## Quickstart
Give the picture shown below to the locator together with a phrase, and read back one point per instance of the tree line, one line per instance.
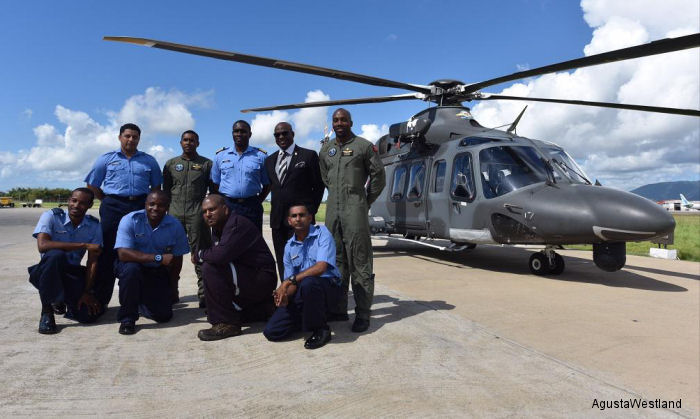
(30, 194)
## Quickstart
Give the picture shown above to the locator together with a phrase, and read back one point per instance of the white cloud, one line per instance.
(160, 111)
(305, 122)
(372, 132)
(28, 113)
(67, 156)
(625, 149)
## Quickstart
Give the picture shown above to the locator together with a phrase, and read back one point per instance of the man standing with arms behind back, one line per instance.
(347, 161)
(186, 179)
(121, 180)
(239, 175)
(294, 177)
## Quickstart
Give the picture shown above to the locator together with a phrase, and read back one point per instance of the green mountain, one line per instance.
(670, 190)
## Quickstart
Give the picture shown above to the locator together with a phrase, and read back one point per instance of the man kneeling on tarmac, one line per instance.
(239, 271)
(312, 282)
(62, 240)
(150, 245)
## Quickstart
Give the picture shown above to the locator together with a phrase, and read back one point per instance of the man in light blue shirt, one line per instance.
(121, 180)
(311, 284)
(150, 245)
(62, 239)
(239, 175)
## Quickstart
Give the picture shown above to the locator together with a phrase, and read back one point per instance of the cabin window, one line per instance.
(415, 181)
(399, 185)
(462, 187)
(439, 184)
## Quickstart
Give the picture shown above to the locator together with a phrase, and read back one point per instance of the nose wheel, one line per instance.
(546, 262)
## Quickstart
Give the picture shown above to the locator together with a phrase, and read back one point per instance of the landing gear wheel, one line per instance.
(558, 266)
(539, 264)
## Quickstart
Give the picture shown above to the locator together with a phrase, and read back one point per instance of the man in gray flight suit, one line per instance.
(347, 161)
(186, 179)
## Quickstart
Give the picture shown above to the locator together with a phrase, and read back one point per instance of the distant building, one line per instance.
(675, 205)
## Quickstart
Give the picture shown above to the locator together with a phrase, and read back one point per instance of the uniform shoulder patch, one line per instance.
(91, 218)
(261, 150)
(221, 149)
(57, 211)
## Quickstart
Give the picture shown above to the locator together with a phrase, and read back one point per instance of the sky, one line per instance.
(66, 91)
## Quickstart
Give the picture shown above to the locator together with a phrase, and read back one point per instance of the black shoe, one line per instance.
(127, 328)
(59, 308)
(337, 317)
(202, 302)
(219, 331)
(47, 324)
(318, 339)
(360, 325)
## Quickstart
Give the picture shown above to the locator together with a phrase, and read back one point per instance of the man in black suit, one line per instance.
(295, 176)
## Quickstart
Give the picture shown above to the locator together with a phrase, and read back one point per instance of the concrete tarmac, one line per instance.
(459, 335)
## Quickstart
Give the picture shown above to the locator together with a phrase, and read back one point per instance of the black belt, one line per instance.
(244, 200)
(127, 198)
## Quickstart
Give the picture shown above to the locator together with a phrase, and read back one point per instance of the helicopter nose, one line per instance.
(624, 216)
(591, 214)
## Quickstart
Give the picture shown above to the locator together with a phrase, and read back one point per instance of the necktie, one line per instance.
(282, 166)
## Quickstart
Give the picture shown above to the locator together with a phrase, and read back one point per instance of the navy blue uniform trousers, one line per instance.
(251, 208)
(56, 280)
(145, 290)
(306, 309)
(111, 212)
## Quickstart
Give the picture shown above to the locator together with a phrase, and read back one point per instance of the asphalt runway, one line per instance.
(452, 335)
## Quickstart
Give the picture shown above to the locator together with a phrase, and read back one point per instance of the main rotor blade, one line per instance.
(270, 62)
(657, 109)
(376, 99)
(653, 48)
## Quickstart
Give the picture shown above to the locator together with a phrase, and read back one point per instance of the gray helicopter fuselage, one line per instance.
(448, 177)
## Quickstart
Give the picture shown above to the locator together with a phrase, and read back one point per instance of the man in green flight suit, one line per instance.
(186, 179)
(347, 161)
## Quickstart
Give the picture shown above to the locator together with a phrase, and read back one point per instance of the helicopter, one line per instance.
(449, 177)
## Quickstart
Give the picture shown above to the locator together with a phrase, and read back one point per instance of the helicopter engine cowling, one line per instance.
(610, 256)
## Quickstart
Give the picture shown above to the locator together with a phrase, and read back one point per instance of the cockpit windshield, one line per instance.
(567, 165)
(506, 168)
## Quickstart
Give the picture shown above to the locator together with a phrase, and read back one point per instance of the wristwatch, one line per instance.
(293, 280)
(158, 258)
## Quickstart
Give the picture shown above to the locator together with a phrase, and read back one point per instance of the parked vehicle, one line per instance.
(6, 201)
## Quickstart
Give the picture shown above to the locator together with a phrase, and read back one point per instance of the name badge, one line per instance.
(347, 152)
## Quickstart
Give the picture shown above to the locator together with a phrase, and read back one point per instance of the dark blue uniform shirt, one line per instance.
(240, 175)
(60, 228)
(136, 233)
(125, 176)
(318, 246)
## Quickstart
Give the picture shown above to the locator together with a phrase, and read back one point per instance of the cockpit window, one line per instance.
(462, 187)
(505, 169)
(567, 165)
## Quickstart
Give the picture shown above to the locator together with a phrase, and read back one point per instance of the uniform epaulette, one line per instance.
(57, 211)
(261, 150)
(220, 150)
(91, 218)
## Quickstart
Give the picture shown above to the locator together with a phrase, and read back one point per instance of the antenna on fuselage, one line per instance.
(511, 129)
